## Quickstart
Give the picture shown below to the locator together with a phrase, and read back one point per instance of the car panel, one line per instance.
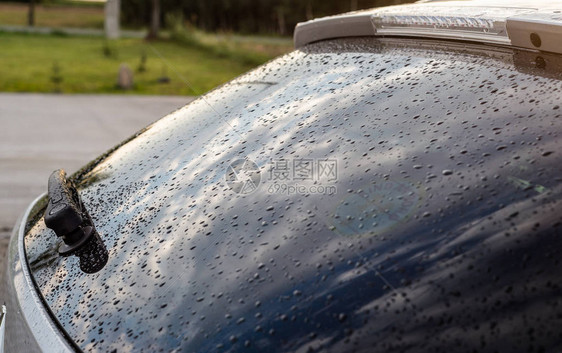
(442, 145)
(511, 23)
(2, 327)
(29, 325)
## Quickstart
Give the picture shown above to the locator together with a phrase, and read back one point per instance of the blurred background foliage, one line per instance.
(199, 44)
(245, 16)
(240, 16)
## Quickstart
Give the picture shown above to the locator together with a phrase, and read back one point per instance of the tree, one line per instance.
(154, 20)
(112, 15)
(31, 13)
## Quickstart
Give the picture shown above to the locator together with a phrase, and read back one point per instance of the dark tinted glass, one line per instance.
(391, 196)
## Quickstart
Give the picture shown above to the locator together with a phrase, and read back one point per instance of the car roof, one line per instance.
(533, 25)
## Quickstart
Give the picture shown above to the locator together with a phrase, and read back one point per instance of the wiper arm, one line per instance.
(69, 219)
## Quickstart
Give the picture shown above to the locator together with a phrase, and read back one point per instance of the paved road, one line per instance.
(40, 133)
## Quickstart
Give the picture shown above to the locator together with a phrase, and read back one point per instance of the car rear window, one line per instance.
(355, 195)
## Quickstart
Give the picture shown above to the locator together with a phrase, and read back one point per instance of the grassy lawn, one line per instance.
(257, 49)
(53, 15)
(26, 63)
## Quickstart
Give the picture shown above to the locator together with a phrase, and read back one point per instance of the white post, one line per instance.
(112, 18)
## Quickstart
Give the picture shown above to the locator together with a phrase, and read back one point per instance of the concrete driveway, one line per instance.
(41, 132)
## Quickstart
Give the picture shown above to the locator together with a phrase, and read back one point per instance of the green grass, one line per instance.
(252, 50)
(55, 15)
(27, 61)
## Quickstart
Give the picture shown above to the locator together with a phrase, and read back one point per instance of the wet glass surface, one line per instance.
(442, 234)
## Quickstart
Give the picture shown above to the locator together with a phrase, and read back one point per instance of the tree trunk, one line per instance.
(31, 13)
(111, 22)
(155, 20)
(281, 20)
(309, 13)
